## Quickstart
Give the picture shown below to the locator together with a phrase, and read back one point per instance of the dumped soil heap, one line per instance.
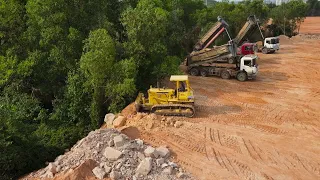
(108, 153)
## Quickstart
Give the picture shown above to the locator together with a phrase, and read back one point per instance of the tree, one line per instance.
(12, 26)
(155, 34)
(20, 149)
(314, 8)
(288, 16)
(99, 64)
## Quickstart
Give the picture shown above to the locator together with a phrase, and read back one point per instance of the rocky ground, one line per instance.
(106, 153)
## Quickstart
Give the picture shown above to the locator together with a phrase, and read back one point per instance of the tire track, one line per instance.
(310, 167)
(222, 162)
(254, 150)
(216, 156)
(229, 162)
(249, 151)
(224, 140)
(187, 143)
(219, 138)
(205, 143)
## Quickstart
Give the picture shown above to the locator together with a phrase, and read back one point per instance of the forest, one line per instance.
(64, 64)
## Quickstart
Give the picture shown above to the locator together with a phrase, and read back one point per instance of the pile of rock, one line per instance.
(113, 121)
(117, 157)
(169, 121)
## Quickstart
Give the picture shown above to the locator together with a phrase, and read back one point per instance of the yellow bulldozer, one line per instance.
(169, 102)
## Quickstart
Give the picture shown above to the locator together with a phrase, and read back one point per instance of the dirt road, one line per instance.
(268, 128)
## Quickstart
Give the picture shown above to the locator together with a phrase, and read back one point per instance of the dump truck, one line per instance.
(269, 45)
(166, 101)
(266, 45)
(246, 68)
(226, 53)
(226, 60)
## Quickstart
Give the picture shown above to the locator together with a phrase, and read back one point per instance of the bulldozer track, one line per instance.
(267, 129)
(158, 109)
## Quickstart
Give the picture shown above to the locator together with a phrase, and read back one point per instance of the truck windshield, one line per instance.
(274, 41)
(247, 63)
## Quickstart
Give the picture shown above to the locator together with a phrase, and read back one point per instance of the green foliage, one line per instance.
(288, 16)
(11, 25)
(7, 68)
(122, 84)
(98, 63)
(20, 150)
(11, 70)
(156, 32)
(98, 57)
(313, 7)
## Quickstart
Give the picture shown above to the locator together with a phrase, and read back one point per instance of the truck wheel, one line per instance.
(225, 74)
(194, 72)
(242, 76)
(204, 73)
(231, 61)
(264, 50)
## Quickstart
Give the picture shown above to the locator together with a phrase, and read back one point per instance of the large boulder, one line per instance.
(139, 142)
(181, 175)
(52, 168)
(167, 170)
(118, 141)
(112, 154)
(106, 167)
(151, 152)
(160, 161)
(140, 156)
(119, 121)
(163, 151)
(99, 172)
(109, 118)
(114, 175)
(144, 167)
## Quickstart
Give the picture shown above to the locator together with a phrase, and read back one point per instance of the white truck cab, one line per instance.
(248, 67)
(270, 45)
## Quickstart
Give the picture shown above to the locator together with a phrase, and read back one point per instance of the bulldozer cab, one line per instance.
(183, 90)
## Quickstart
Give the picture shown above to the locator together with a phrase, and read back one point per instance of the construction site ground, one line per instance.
(268, 128)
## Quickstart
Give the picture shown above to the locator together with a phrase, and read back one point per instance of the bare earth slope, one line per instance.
(268, 128)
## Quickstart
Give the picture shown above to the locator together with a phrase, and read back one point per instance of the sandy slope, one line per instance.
(263, 129)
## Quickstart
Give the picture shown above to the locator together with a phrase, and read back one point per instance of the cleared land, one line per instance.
(268, 128)
(311, 25)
